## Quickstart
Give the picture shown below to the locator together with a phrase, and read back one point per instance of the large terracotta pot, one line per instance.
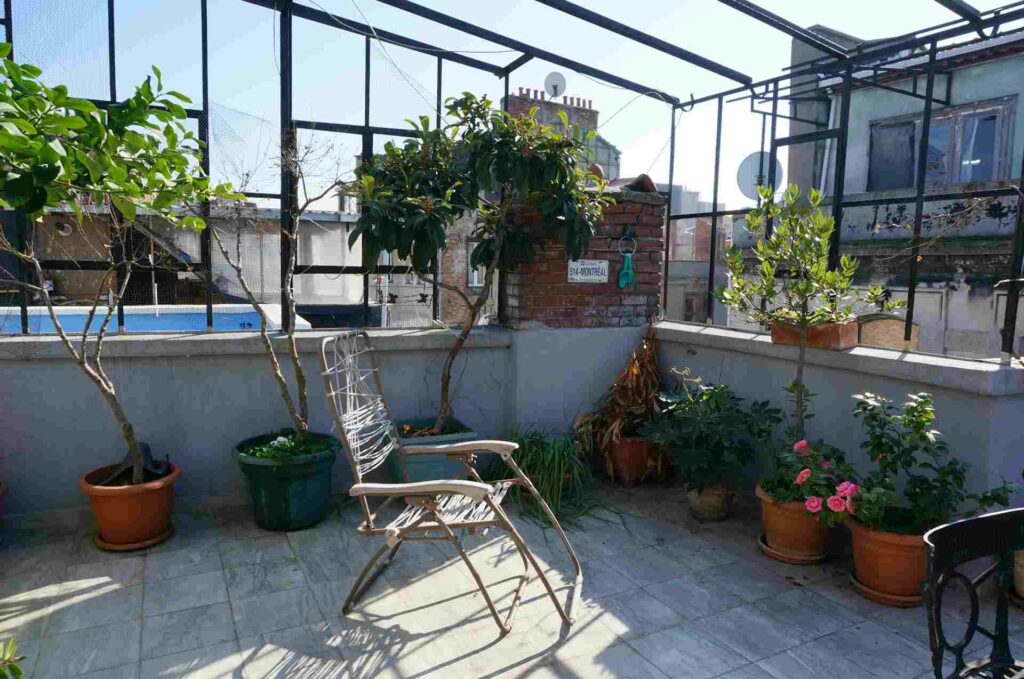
(888, 567)
(634, 458)
(130, 517)
(831, 336)
(790, 534)
(711, 504)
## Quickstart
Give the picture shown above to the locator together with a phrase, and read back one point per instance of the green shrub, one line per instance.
(286, 444)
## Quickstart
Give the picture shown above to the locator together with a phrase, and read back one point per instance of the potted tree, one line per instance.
(711, 439)
(488, 164)
(806, 492)
(288, 472)
(888, 527)
(63, 153)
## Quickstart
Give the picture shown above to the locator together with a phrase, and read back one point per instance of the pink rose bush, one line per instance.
(817, 475)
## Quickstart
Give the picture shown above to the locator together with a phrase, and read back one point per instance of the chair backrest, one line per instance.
(362, 421)
(996, 535)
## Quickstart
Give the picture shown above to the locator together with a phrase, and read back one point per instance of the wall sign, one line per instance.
(588, 271)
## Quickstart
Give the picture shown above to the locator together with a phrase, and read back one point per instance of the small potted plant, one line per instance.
(806, 492)
(888, 527)
(289, 477)
(711, 439)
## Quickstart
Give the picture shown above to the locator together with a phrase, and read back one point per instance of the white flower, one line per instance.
(280, 441)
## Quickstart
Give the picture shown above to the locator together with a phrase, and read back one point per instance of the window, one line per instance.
(474, 275)
(965, 144)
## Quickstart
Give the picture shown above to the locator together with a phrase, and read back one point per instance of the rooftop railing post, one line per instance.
(919, 181)
(288, 157)
(773, 153)
(366, 155)
(205, 238)
(712, 250)
(118, 249)
(20, 227)
(1016, 265)
(667, 247)
(435, 291)
(839, 171)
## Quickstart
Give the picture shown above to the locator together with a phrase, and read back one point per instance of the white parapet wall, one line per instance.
(979, 404)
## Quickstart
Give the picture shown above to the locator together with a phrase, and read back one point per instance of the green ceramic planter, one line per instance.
(290, 494)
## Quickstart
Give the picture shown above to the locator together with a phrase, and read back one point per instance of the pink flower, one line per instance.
(836, 503)
(847, 489)
(801, 447)
(813, 504)
(825, 464)
(803, 476)
(849, 506)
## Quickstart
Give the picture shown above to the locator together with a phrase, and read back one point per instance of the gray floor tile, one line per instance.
(327, 566)
(634, 613)
(122, 572)
(88, 650)
(684, 652)
(222, 661)
(647, 566)
(616, 662)
(241, 552)
(263, 578)
(186, 630)
(814, 615)
(276, 611)
(203, 558)
(751, 632)
(698, 553)
(746, 580)
(166, 596)
(80, 605)
(747, 672)
(307, 650)
(691, 598)
(26, 600)
(600, 580)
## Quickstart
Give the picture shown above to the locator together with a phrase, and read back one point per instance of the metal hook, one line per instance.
(686, 108)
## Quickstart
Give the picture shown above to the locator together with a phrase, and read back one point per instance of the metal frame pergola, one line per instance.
(866, 65)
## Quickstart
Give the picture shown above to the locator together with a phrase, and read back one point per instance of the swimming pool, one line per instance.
(180, 318)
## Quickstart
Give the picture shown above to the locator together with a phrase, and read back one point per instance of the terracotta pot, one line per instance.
(790, 534)
(888, 567)
(711, 504)
(634, 458)
(831, 336)
(130, 517)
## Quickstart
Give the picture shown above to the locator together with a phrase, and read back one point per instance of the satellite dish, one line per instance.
(554, 84)
(753, 165)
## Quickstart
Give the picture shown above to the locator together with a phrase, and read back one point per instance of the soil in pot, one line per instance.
(711, 504)
(634, 459)
(290, 493)
(791, 534)
(888, 567)
(130, 516)
(830, 336)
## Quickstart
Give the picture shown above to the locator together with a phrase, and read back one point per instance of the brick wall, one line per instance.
(538, 293)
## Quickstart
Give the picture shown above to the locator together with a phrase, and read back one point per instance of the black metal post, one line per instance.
(8, 27)
(205, 238)
(20, 227)
(366, 155)
(922, 172)
(839, 171)
(435, 292)
(118, 249)
(1016, 265)
(774, 150)
(288, 157)
(760, 159)
(714, 215)
(502, 277)
(111, 52)
(667, 246)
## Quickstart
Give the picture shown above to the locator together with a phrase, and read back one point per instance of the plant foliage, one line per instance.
(287, 444)
(9, 660)
(708, 433)
(908, 450)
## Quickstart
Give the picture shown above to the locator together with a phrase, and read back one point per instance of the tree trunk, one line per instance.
(798, 383)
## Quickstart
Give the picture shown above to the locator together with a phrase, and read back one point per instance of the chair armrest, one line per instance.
(471, 489)
(503, 448)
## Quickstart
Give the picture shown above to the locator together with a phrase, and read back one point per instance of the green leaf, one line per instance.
(5, 50)
(125, 206)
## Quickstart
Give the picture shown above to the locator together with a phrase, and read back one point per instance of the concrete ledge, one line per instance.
(146, 345)
(988, 378)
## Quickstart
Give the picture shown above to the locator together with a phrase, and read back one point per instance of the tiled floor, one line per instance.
(663, 597)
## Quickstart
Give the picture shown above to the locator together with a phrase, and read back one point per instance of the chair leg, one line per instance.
(366, 579)
(502, 626)
(578, 584)
(524, 551)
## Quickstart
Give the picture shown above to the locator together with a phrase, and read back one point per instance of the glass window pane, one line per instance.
(938, 155)
(892, 157)
(978, 148)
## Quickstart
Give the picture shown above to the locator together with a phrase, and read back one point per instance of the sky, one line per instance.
(67, 39)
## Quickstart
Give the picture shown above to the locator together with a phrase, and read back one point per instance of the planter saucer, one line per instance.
(883, 598)
(788, 558)
(132, 546)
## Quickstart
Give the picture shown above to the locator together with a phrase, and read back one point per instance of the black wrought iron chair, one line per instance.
(997, 536)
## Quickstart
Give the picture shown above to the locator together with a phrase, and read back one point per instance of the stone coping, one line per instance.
(984, 377)
(163, 345)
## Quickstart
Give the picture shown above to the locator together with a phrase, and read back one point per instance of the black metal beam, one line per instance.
(1016, 264)
(806, 137)
(333, 269)
(206, 237)
(498, 39)
(514, 65)
(668, 210)
(335, 21)
(778, 23)
(288, 157)
(710, 311)
(962, 9)
(348, 128)
(839, 170)
(624, 30)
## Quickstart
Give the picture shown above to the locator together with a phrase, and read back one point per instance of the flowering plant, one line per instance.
(817, 475)
(286, 444)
